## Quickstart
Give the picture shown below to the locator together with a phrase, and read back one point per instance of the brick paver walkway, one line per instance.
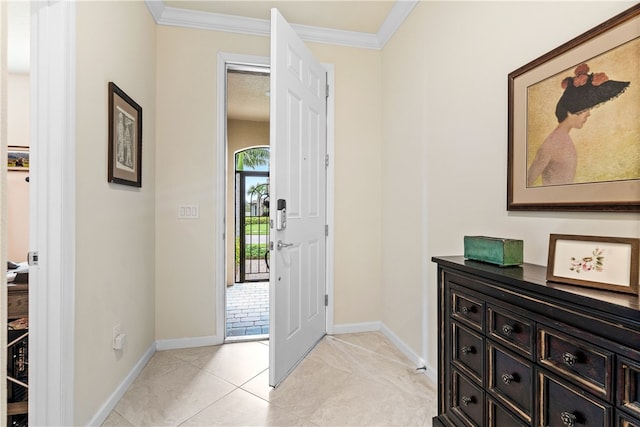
(248, 309)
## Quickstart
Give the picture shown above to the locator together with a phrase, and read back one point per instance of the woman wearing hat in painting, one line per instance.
(556, 160)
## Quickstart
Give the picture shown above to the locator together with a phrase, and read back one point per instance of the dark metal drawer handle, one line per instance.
(569, 359)
(467, 310)
(507, 329)
(466, 350)
(507, 378)
(468, 399)
(568, 419)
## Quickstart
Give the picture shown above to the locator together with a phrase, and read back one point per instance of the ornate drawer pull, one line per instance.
(507, 378)
(468, 399)
(569, 359)
(507, 329)
(467, 310)
(466, 350)
(568, 419)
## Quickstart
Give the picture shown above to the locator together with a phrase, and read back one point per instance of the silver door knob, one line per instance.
(281, 245)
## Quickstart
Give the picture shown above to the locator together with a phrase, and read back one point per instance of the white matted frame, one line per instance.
(609, 263)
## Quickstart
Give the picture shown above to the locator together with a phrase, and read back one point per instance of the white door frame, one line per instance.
(221, 186)
(52, 213)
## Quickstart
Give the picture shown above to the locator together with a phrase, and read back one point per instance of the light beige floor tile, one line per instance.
(236, 363)
(347, 380)
(308, 387)
(116, 420)
(363, 402)
(241, 408)
(394, 372)
(163, 396)
(259, 385)
(373, 341)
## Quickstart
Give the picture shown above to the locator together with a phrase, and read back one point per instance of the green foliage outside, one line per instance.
(255, 250)
(256, 220)
(251, 251)
(237, 251)
(256, 229)
(252, 158)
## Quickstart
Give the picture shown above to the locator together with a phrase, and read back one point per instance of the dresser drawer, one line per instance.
(577, 361)
(628, 386)
(468, 351)
(467, 309)
(624, 420)
(467, 400)
(565, 405)
(497, 416)
(510, 379)
(510, 330)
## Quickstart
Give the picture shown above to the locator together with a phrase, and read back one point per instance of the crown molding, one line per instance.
(164, 15)
(396, 17)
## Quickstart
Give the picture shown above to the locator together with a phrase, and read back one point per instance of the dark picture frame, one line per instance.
(17, 158)
(609, 263)
(607, 173)
(125, 139)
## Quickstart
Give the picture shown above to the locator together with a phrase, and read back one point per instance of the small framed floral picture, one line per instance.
(609, 263)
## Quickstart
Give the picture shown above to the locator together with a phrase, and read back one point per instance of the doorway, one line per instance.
(16, 143)
(224, 165)
(247, 254)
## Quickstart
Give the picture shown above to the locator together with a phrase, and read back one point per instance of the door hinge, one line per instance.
(326, 161)
(327, 91)
(326, 300)
(32, 258)
(326, 230)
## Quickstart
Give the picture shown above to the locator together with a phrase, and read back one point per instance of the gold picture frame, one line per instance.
(597, 168)
(609, 263)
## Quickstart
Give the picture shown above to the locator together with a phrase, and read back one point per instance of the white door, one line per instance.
(298, 176)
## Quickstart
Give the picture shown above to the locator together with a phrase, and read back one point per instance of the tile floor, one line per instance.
(248, 309)
(346, 380)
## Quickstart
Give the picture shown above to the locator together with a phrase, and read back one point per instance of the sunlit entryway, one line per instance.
(247, 307)
(247, 212)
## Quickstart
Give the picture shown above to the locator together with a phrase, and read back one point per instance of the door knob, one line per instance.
(281, 245)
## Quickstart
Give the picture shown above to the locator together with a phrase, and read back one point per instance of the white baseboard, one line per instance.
(352, 328)
(429, 371)
(115, 397)
(178, 343)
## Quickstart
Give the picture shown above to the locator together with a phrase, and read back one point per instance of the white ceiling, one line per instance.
(360, 23)
(247, 97)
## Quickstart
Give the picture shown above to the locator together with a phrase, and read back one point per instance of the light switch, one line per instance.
(188, 211)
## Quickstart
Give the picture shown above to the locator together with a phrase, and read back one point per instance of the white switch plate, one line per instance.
(189, 211)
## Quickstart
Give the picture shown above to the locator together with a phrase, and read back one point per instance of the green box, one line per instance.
(495, 250)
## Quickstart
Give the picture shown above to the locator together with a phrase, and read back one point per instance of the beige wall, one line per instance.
(185, 292)
(115, 224)
(445, 145)
(240, 134)
(420, 161)
(18, 96)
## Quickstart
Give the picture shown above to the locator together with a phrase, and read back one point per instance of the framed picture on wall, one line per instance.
(18, 158)
(125, 138)
(574, 114)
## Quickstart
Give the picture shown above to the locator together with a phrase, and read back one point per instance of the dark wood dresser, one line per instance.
(516, 350)
(17, 355)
